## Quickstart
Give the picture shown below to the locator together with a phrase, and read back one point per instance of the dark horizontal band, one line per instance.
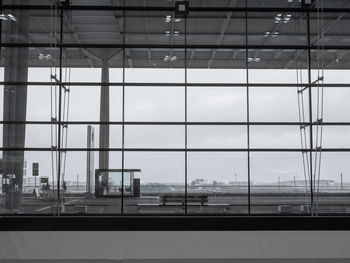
(46, 149)
(174, 46)
(173, 223)
(159, 84)
(149, 123)
(172, 8)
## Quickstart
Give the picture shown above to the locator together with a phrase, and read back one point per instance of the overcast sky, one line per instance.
(217, 104)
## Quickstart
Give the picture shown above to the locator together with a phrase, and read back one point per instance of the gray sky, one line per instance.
(204, 104)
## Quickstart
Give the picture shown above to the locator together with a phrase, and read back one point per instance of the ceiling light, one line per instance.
(279, 18)
(168, 33)
(254, 59)
(167, 58)
(45, 57)
(7, 17)
(274, 34)
(169, 18)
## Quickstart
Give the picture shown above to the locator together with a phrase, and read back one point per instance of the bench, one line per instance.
(206, 206)
(80, 209)
(180, 199)
(52, 195)
(287, 209)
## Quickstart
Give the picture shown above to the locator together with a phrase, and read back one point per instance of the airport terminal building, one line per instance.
(175, 131)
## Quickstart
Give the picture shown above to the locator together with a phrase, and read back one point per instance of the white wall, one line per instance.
(177, 245)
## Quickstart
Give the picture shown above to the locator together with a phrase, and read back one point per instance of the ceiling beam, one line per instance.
(120, 25)
(223, 28)
(149, 52)
(198, 23)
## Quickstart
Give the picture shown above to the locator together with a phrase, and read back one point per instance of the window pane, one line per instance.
(39, 103)
(278, 184)
(217, 183)
(78, 136)
(275, 137)
(17, 25)
(336, 104)
(154, 27)
(18, 183)
(339, 75)
(213, 75)
(217, 136)
(216, 104)
(277, 28)
(154, 136)
(37, 135)
(334, 136)
(332, 190)
(85, 103)
(76, 177)
(154, 104)
(203, 28)
(277, 104)
(335, 34)
(162, 182)
(156, 75)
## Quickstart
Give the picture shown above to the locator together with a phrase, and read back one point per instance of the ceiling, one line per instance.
(225, 30)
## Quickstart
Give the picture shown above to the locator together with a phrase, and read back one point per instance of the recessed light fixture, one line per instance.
(282, 18)
(175, 33)
(254, 59)
(273, 34)
(169, 18)
(169, 58)
(44, 57)
(292, 1)
(7, 17)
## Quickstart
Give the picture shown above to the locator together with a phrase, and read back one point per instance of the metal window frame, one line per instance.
(188, 222)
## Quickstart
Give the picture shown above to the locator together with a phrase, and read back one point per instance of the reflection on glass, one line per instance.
(179, 140)
(279, 184)
(162, 182)
(217, 183)
(216, 104)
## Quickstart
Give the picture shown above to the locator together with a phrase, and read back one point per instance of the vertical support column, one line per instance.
(182, 10)
(15, 106)
(186, 120)
(104, 117)
(123, 109)
(310, 112)
(60, 207)
(248, 109)
(90, 159)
